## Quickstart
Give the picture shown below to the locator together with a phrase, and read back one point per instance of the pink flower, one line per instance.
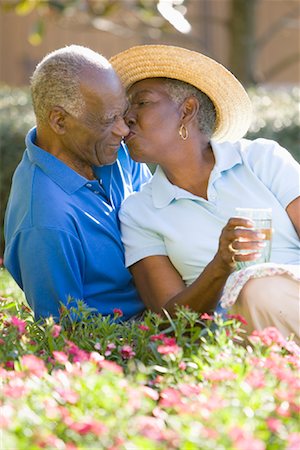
(34, 365)
(60, 357)
(149, 392)
(127, 352)
(182, 365)
(19, 324)
(78, 354)
(168, 349)
(111, 346)
(151, 427)
(170, 398)
(274, 424)
(237, 317)
(110, 365)
(293, 441)
(97, 346)
(244, 441)
(206, 316)
(269, 336)
(95, 357)
(88, 425)
(221, 374)
(256, 379)
(117, 312)
(56, 329)
(68, 395)
(144, 327)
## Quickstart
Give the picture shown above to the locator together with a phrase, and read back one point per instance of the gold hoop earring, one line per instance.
(183, 132)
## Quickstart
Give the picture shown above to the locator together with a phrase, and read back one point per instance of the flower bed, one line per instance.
(183, 383)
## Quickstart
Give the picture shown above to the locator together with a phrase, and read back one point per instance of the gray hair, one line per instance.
(179, 91)
(56, 80)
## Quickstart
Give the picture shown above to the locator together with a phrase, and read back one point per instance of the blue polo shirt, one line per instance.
(62, 233)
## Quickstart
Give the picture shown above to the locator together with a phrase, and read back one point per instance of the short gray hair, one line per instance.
(56, 80)
(179, 91)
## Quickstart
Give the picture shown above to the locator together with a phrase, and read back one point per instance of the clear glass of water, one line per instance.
(262, 218)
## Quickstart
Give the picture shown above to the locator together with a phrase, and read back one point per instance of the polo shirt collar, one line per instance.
(226, 154)
(65, 177)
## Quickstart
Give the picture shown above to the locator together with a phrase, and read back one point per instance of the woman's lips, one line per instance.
(129, 136)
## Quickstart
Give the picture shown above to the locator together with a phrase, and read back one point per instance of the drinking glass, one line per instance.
(262, 218)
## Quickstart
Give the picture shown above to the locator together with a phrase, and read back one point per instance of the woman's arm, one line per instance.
(293, 210)
(161, 286)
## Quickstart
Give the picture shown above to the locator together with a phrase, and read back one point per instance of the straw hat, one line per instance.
(230, 99)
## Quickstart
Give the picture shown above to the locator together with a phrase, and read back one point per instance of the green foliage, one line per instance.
(16, 117)
(162, 383)
(276, 116)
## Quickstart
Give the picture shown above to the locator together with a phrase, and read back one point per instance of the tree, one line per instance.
(152, 19)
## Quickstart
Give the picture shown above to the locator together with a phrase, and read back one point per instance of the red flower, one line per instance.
(238, 317)
(143, 327)
(127, 352)
(206, 316)
(117, 312)
(157, 337)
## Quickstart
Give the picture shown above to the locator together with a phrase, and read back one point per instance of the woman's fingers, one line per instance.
(239, 241)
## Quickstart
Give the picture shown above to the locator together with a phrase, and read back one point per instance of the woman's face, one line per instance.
(154, 120)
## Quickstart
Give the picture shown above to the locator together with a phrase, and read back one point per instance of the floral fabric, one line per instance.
(238, 279)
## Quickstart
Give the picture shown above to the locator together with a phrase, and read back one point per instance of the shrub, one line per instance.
(276, 116)
(160, 384)
(16, 117)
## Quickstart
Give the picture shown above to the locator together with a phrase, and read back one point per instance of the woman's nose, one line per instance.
(129, 118)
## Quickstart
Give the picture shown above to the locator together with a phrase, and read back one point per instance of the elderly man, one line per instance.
(61, 227)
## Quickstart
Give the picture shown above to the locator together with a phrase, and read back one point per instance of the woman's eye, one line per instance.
(141, 102)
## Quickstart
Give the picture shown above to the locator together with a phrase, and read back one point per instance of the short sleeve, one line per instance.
(139, 240)
(276, 168)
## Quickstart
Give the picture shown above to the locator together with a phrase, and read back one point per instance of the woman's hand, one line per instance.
(237, 236)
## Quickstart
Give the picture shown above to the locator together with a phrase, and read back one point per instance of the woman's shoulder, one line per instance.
(137, 200)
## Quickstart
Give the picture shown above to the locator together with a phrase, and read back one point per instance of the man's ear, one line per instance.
(57, 120)
(190, 108)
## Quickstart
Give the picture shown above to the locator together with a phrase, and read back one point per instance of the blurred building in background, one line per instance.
(264, 47)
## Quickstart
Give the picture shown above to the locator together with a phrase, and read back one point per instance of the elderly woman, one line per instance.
(188, 114)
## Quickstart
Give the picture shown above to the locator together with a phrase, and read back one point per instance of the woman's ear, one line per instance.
(190, 108)
(57, 119)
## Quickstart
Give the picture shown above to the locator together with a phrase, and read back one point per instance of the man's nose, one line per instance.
(122, 128)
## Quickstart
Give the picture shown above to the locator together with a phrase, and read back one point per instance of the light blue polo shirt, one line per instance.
(164, 219)
(62, 233)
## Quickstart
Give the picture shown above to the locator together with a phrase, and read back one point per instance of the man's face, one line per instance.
(93, 138)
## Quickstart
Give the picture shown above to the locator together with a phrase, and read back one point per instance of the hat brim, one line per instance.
(231, 101)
